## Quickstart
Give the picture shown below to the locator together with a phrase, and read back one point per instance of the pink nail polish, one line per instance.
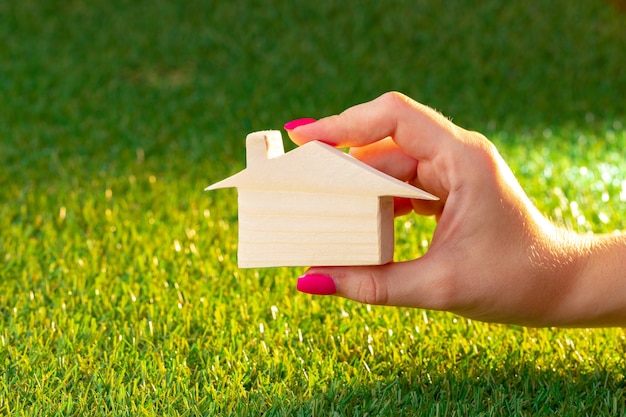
(316, 284)
(298, 122)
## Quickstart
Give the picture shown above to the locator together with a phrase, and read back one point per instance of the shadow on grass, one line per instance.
(514, 389)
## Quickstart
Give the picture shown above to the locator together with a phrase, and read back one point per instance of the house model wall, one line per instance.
(313, 206)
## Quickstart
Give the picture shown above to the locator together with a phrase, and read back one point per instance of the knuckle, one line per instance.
(395, 98)
(370, 290)
(446, 294)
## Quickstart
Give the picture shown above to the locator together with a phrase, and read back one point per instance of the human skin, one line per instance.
(493, 256)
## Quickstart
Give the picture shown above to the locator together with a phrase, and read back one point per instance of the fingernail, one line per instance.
(298, 122)
(316, 284)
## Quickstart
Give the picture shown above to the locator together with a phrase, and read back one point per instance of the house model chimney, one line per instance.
(263, 145)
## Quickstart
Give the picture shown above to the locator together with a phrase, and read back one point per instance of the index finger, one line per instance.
(417, 129)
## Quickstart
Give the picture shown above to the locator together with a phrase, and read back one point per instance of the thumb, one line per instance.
(407, 284)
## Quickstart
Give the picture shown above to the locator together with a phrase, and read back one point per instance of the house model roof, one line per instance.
(314, 167)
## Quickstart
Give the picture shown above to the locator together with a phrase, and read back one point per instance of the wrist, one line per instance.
(593, 281)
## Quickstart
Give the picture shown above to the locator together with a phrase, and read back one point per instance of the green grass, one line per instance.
(119, 291)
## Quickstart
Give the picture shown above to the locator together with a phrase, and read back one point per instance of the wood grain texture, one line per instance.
(306, 229)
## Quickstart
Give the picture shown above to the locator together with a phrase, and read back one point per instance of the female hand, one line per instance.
(493, 256)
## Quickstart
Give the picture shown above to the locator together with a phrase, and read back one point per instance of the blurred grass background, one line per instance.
(119, 292)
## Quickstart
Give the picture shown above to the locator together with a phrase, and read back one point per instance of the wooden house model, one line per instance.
(313, 206)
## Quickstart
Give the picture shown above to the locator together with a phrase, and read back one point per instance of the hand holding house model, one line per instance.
(313, 206)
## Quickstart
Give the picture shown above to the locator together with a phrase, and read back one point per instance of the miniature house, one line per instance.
(313, 206)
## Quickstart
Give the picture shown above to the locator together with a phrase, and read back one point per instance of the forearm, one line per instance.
(597, 296)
